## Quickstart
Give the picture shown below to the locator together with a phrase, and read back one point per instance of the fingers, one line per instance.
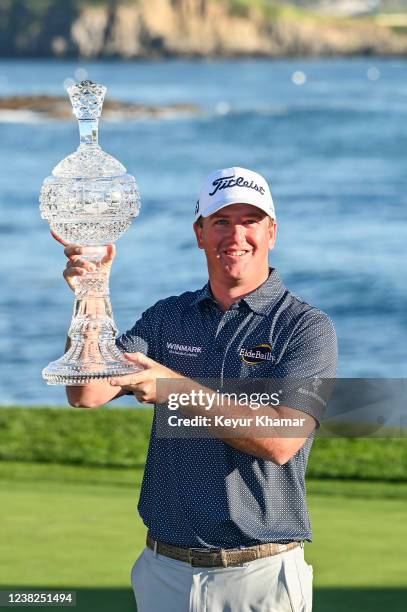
(130, 380)
(143, 396)
(72, 274)
(75, 261)
(71, 250)
(140, 359)
(76, 249)
(73, 271)
(58, 238)
(143, 389)
(110, 254)
(77, 266)
(75, 252)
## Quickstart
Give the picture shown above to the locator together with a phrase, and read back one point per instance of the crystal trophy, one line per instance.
(89, 200)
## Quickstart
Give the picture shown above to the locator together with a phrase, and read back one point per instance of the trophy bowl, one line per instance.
(89, 200)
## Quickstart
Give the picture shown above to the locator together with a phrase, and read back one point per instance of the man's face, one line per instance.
(236, 241)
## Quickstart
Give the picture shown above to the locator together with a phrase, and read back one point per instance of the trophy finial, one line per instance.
(87, 99)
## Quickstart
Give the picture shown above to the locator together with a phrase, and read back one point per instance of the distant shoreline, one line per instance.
(192, 29)
(388, 55)
(57, 107)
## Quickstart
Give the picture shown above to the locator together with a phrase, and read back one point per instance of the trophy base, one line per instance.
(63, 372)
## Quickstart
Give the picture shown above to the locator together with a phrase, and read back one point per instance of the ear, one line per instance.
(198, 229)
(272, 234)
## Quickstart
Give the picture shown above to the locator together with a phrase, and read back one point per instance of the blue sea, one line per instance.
(329, 135)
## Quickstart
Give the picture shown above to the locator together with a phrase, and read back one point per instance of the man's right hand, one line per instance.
(79, 267)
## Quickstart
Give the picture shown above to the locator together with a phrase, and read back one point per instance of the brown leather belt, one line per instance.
(218, 557)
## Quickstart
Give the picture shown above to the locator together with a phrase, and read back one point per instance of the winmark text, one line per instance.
(183, 347)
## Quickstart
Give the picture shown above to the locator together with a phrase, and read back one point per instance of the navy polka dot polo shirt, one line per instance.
(202, 492)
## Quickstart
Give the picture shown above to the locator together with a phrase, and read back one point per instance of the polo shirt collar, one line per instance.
(203, 294)
(260, 301)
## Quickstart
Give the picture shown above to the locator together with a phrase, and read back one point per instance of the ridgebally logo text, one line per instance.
(257, 354)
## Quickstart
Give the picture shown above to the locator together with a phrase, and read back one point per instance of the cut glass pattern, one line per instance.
(90, 200)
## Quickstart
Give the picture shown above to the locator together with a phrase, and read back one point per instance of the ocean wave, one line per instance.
(20, 116)
(325, 110)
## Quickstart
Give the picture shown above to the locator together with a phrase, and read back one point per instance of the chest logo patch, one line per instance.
(261, 353)
(183, 349)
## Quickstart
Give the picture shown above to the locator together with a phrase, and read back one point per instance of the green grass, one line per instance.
(118, 437)
(285, 11)
(266, 8)
(77, 527)
(68, 526)
(69, 521)
(102, 437)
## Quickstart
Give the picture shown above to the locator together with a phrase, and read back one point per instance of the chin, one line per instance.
(237, 272)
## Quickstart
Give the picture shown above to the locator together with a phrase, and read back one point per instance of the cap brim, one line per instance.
(216, 207)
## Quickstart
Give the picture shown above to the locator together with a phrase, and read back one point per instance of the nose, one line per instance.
(237, 233)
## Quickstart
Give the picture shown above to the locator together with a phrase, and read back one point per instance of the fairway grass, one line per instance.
(76, 527)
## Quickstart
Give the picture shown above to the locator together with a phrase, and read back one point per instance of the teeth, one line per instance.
(236, 253)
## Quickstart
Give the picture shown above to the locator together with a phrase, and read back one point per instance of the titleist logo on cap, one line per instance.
(234, 185)
(225, 182)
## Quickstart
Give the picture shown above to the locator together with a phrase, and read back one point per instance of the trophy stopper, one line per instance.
(87, 99)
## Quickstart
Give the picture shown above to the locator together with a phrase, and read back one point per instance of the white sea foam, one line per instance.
(20, 116)
(32, 117)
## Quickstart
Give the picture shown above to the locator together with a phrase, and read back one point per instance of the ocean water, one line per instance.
(329, 135)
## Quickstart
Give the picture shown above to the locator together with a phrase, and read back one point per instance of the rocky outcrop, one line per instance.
(310, 39)
(189, 28)
(60, 108)
(167, 28)
(154, 28)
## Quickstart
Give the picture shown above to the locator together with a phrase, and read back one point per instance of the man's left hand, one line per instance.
(143, 384)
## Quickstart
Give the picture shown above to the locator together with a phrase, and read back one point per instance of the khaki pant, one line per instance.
(282, 583)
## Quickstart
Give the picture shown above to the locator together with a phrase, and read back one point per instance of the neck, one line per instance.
(225, 296)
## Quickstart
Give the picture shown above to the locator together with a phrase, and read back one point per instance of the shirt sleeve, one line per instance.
(141, 337)
(308, 366)
(312, 350)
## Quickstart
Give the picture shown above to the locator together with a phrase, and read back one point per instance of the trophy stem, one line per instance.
(92, 353)
(88, 131)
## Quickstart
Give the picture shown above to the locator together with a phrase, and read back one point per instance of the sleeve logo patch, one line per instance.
(262, 353)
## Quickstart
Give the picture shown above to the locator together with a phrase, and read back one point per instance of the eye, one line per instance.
(251, 221)
(221, 222)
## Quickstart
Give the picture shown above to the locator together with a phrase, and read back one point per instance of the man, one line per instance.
(226, 514)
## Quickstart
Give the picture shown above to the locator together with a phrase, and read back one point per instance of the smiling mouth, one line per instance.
(235, 253)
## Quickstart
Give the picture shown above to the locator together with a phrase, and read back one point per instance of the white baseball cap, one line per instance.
(234, 186)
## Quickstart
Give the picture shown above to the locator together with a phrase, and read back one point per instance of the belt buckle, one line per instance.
(191, 555)
(202, 551)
